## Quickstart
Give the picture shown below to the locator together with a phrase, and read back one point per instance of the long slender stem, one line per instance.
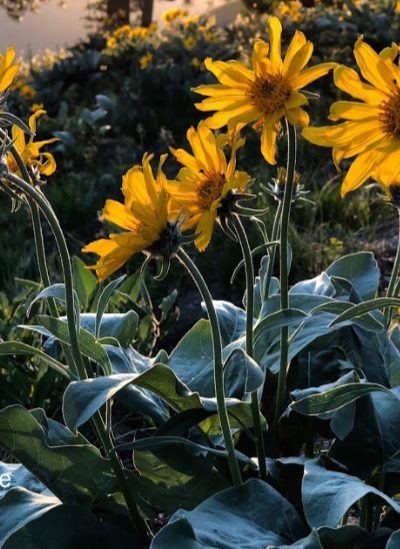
(218, 362)
(274, 235)
(284, 274)
(49, 214)
(255, 405)
(391, 291)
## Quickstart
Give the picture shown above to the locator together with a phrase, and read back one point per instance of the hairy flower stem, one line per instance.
(79, 366)
(391, 291)
(284, 272)
(218, 362)
(272, 253)
(249, 272)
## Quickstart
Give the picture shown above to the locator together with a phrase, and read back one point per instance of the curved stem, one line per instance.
(40, 250)
(391, 291)
(284, 273)
(105, 437)
(66, 266)
(249, 272)
(218, 362)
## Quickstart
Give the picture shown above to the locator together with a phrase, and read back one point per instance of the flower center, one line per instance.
(210, 190)
(269, 94)
(390, 114)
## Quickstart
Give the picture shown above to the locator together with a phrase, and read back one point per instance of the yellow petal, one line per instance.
(219, 90)
(243, 114)
(351, 110)
(296, 99)
(300, 60)
(6, 79)
(275, 31)
(119, 215)
(360, 170)
(259, 60)
(33, 118)
(373, 68)
(296, 43)
(268, 142)
(311, 74)
(348, 80)
(230, 73)
(205, 229)
(222, 103)
(185, 158)
(298, 117)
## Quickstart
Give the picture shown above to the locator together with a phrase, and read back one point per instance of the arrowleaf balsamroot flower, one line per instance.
(371, 131)
(205, 181)
(8, 69)
(147, 218)
(30, 152)
(267, 92)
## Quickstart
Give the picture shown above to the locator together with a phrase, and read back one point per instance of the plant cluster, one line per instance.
(271, 424)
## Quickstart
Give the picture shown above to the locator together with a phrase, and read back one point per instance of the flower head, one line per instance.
(265, 93)
(371, 131)
(171, 15)
(30, 151)
(205, 181)
(147, 219)
(8, 69)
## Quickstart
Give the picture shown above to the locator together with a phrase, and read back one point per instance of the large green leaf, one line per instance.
(68, 526)
(18, 507)
(251, 516)
(116, 326)
(83, 398)
(328, 495)
(65, 463)
(361, 270)
(176, 476)
(58, 328)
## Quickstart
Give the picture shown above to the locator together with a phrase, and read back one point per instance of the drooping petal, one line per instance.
(268, 142)
(205, 228)
(246, 114)
(259, 59)
(298, 117)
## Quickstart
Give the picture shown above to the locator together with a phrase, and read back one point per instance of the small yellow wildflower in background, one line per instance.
(204, 181)
(111, 42)
(8, 69)
(292, 10)
(27, 91)
(146, 213)
(371, 131)
(171, 15)
(191, 20)
(146, 60)
(195, 62)
(30, 151)
(267, 92)
(189, 42)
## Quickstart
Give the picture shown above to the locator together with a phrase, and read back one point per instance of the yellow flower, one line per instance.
(111, 43)
(204, 181)
(397, 7)
(170, 15)
(371, 131)
(265, 93)
(192, 20)
(27, 91)
(146, 60)
(125, 29)
(145, 217)
(8, 70)
(195, 62)
(30, 151)
(189, 42)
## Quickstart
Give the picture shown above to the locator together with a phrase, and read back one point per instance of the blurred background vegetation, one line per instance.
(125, 90)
